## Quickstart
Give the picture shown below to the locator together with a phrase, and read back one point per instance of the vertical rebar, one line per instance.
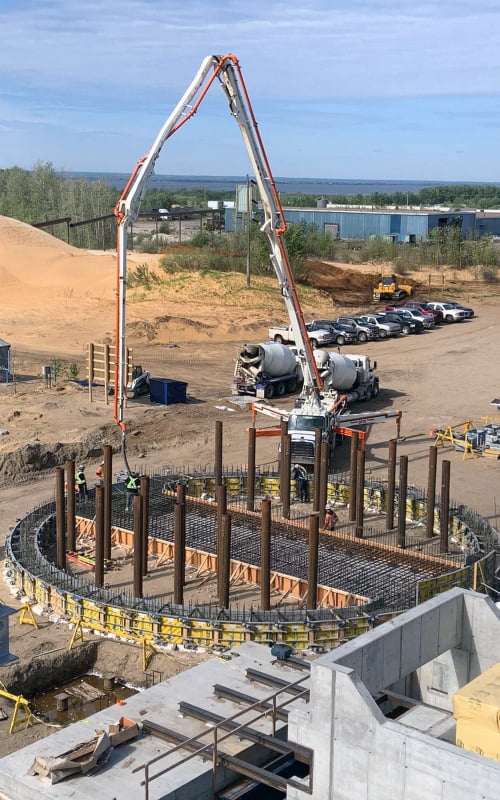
(221, 499)
(99, 537)
(145, 522)
(218, 453)
(179, 552)
(402, 496)
(251, 469)
(353, 476)
(108, 498)
(70, 506)
(323, 483)
(391, 484)
(138, 542)
(225, 565)
(360, 492)
(317, 468)
(312, 564)
(265, 555)
(285, 474)
(431, 491)
(445, 507)
(60, 519)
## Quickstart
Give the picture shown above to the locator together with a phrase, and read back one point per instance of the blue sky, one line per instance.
(340, 88)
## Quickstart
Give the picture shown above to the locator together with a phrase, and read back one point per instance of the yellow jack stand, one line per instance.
(148, 651)
(26, 617)
(21, 704)
(77, 633)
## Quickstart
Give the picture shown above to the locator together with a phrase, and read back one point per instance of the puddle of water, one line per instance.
(86, 696)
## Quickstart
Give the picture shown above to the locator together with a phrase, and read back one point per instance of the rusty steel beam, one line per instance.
(360, 492)
(431, 491)
(403, 494)
(317, 468)
(179, 552)
(285, 474)
(138, 542)
(353, 476)
(445, 507)
(60, 520)
(391, 484)
(312, 563)
(108, 498)
(99, 538)
(224, 564)
(70, 506)
(145, 522)
(251, 469)
(265, 555)
(323, 482)
(218, 453)
(221, 500)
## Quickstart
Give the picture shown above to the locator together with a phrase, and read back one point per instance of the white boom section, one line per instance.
(226, 68)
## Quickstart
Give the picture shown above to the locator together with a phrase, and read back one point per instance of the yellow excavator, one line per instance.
(389, 288)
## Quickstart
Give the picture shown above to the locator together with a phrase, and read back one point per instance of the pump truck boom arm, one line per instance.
(227, 70)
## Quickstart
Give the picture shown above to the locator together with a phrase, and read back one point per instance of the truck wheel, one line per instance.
(375, 390)
(314, 343)
(280, 388)
(362, 337)
(449, 318)
(292, 385)
(278, 339)
(269, 391)
(340, 340)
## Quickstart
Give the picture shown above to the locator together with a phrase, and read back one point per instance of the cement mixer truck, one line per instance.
(268, 369)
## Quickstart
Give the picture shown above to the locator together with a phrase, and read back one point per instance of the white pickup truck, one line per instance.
(317, 336)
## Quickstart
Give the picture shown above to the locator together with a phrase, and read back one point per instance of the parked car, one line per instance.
(425, 310)
(410, 313)
(340, 335)
(450, 313)
(408, 324)
(470, 311)
(387, 327)
(357, 325)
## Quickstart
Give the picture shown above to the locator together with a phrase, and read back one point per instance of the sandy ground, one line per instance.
(56, 299)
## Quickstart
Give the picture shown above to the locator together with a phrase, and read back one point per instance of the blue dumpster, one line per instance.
(167, 391)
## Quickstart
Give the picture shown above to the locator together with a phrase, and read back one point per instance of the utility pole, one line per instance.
(249, 220)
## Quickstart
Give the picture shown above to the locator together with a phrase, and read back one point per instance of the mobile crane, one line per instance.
(317, 407)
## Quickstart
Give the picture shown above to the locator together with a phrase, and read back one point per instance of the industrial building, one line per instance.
(399, 224)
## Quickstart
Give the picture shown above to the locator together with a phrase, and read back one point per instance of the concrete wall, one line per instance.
(361, 755)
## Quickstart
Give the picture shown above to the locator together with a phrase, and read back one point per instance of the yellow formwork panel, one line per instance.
(41, 593)
(142, 625)
(72, 605)
(171, 628)
(338, 492)
(231, 634)
(90, 612)
(271, 485)
(57, 601)
(356, 626)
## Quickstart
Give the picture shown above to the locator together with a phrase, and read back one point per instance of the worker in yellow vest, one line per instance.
(133, 485)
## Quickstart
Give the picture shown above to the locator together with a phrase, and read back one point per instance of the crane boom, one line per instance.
(227, 70)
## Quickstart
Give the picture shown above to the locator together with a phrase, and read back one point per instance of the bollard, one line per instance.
(108, 498)
(431, 491)
(317, 468)
(218, 453)
(403, 493)
(312, 564)
(353, 476)
(360, 492)
(60, 519)
(285, 474)
(225, 561)
(99, 538)
(145, 522)
(445, 507)
(265, 556)
(138, 540)
(179, 553)
(391, 484)
(251, 469)
(70, 506)
(323, 483)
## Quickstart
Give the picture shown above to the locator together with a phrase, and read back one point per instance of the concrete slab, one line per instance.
(159, 704)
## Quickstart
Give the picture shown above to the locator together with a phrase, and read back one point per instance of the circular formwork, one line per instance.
(358, 578)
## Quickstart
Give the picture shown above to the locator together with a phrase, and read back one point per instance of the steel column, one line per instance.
(360, 492)
(225, 563)
(145, 522)
(60, 519)
(284, 432)
(70, 506)
(445, 507)
(218, 453)
(391, 484)
(317, 468)
(403, 493)
(323, 482)
(179, 552)
(251, 469)
(431, 491)
(108, 498)
(221, 499)
(312, 564)
(99, 537)
(353, 476)
(265, 555)
(138, 542)
(285, 474)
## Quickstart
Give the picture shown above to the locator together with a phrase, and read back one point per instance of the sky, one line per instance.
(376, 89)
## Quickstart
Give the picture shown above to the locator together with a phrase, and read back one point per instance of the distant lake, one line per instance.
(314, 186)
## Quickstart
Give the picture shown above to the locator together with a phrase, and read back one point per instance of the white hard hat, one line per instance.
(295, 466)
(328, 507)
(81, 466)
(102, 463)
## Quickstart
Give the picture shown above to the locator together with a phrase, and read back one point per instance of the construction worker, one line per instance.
(133, 485)
(331, 518)
(81, 483)
(299, 474)
(100, 473)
